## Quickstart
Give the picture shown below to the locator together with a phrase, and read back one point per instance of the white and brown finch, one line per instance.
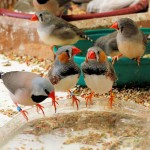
(53, 30)
(130, 40)
(28, 89)
(64, 74)
(99, 74)
(56, 7)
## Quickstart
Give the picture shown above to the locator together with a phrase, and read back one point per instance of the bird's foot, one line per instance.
(54, 102)
(74, 99)
(116, 58)
(111, 99)
(138, 60)
(24, 112)
(89, 98)
(40, 107)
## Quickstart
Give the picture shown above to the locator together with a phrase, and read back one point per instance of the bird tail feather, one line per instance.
(87, 38)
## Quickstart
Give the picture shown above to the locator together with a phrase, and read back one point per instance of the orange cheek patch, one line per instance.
(63, 57)
(102, 57)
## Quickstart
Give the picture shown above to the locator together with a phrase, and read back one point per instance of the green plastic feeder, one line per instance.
(127, 70)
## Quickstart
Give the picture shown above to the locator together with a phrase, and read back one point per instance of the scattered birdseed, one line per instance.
(95, 128)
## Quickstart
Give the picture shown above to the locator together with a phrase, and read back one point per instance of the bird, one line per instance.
(53, 30)
(108, 44)
(99, 74)
(96, 6)
(27, 88)
(56, 7)
(64, 74)
(131, 40)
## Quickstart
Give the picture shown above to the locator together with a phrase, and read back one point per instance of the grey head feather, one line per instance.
(98, 67)
(41, 86)
(108, 43)
(127, 27)
(61, 70)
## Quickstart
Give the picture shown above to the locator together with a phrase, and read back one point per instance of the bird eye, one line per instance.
(46, 91)
(67, 51)
(98, 52)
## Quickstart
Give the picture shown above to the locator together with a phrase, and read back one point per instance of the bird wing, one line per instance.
(65, 29)
(53, 78)
(17, 80)
(111, 71)
(144, 38)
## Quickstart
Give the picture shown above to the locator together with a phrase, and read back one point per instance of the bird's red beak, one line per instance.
(75, 51)
(91, 55)
(34, 18)
(115, 26)
(52, 95)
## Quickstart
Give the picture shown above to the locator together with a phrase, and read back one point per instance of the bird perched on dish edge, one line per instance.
(65, 73)
(99, 74)
(28, 89)
(56, 7)
(131, 40)
(53, 30)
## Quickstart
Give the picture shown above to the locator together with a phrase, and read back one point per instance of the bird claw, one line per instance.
(111, 99)
(74, 99)
(116, 58)
(89, 98)
(138, 61)
(54, 102)
(24, 113)
(77, 101)
(40, 107)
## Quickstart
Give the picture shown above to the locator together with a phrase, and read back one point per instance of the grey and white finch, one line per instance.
(65, 73)
(108, 43)
(56, 7)
(130, 39)
(28, 89)
(99, 74)
(53, 30)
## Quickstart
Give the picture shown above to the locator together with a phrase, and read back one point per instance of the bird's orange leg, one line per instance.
(138, 60)
(89, 98)
(74, 99)
(24, 112)
(111, 99)
(116, 58)
(40, 107)
(54, 102)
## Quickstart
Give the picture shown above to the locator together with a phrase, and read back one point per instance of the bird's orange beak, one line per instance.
(34, 18)
(91, 55)
(75, 51)
(115, 26)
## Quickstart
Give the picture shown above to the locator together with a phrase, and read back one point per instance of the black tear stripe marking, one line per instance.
(69, 71)
(39, 98)
(91, 71)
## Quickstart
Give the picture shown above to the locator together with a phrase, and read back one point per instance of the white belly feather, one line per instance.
(67, 83)
(99, 83)
(131, 49)
(53, 40)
